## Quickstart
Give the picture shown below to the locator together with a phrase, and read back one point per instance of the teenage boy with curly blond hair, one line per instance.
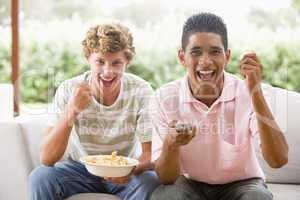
(97, 112)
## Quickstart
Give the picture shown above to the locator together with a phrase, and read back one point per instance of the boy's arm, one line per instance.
(167, 166)
(56, 137)
(273, 143)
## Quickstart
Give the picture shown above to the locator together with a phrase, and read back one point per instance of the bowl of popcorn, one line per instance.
(109, 165)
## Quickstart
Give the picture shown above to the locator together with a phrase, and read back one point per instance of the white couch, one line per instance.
(20, 139)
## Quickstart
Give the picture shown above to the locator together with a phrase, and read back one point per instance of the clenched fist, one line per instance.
(81, 99)
(180, 134)
(251, 69)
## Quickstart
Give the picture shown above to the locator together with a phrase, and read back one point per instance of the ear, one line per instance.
(127, 63)
(181, 57)
(228, 56)
(87, 59)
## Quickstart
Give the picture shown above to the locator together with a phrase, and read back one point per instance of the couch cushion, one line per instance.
(13, 159)
(32, 127)
(285, 191)
(286, 108)
(93, 196)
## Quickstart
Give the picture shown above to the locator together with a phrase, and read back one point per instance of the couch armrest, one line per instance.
(14, 162)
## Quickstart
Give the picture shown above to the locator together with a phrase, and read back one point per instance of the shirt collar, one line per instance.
(228, 92)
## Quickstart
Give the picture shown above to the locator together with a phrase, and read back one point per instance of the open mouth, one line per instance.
(107, 82)
(205, 75)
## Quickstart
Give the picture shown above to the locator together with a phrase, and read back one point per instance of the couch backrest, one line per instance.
(285, 106)
(32, 128)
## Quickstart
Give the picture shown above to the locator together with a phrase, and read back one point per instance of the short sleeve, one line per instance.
(160, 127)
(143, 127)
(59, 103)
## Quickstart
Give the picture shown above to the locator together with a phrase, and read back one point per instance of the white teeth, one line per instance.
(206, 72)
(107, 79)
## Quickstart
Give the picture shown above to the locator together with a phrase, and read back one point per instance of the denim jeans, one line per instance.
(186, 189)
(70, 177)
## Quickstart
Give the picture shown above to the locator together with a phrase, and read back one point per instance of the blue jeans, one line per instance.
(70, 177)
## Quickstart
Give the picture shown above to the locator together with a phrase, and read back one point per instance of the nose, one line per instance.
(106, 72)
(205, 60)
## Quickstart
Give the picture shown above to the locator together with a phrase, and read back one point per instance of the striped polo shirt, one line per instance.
(102, 129)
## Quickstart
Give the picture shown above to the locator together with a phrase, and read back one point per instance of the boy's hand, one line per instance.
(81, 99)
(251, 69)
(180, 134)
(119, 180)
(144, 164)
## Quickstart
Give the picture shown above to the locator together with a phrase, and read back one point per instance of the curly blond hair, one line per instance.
(109, 38)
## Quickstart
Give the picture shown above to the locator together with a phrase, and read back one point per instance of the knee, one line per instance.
(40, 176)
(169, 192)
(148, 178)
(259, 194)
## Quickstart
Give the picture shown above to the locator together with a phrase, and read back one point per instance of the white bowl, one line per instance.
(108, 170)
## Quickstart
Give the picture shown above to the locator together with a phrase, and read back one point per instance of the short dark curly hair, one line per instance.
(204, 22)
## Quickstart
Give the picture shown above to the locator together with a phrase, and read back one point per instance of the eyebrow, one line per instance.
(117, 60)
(196, 48)
(216, 48)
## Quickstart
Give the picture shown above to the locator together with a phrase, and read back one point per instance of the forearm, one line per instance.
(56, 141)
(146, 156)
(168, 164)
(273, 143)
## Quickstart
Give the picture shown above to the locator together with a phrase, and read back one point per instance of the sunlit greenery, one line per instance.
(51, 51)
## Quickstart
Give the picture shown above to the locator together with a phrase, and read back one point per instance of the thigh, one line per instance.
(182, 189)
(139, 187)
(75, 178)
(66, 178)
(251, 189)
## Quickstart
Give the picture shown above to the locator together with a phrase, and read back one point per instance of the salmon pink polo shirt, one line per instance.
(222, 150)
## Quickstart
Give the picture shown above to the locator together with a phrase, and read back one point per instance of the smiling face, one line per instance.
(107, 70)
(205, 59)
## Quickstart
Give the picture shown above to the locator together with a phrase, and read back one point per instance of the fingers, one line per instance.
(141, 167)
(172, 124)
(250, 64)
(250, 61)
(183, 128)
(250, 67)
(249, 54)
(193, 132)
(179, 133)
(83, 86)
(185, 133)
(118, 180)
(132, 171)
(81, 98)
(250, 58)
(136, 170)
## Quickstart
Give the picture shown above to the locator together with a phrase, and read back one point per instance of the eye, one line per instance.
(216, 52)
(99, 62)
(195, 53)
(117, 63)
